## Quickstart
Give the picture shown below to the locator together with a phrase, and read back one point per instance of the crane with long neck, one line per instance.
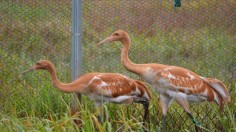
(172, 82)
(101, 87)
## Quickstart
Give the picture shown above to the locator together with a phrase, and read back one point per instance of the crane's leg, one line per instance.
(194, 121)
(98, 106)
(165, 103)
(185, 105)
(145, 104)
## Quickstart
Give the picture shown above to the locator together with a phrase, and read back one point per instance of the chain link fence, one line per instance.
(30, 31)
(199, 35)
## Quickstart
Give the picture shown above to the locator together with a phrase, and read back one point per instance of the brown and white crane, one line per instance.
(101, 87)
(172, 82)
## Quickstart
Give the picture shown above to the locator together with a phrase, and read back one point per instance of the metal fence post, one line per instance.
(76, 51)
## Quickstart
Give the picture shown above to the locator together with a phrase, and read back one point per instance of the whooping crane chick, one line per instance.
(101, 87)
(172, 82)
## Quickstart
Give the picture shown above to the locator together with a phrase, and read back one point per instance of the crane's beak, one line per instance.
(32, 68)
(108, 39)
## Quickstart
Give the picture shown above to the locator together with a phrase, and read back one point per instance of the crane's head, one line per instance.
(40, 65)
(118, 35)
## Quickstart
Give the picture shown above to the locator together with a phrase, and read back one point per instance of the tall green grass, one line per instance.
(31, 103)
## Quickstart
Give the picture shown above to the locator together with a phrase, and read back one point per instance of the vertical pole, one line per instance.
(76, 61)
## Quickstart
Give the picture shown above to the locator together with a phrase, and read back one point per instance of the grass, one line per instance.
(34, 31)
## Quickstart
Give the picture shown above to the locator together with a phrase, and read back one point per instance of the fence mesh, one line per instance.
(199, 35)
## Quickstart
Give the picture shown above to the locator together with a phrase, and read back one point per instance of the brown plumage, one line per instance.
(101, 87)
(172, 82)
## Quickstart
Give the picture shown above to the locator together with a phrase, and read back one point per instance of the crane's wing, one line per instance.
(112, 85)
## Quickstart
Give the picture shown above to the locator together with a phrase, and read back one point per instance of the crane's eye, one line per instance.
(116, 34)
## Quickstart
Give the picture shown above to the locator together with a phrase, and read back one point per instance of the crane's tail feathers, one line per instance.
(220, 88)
(143, 88)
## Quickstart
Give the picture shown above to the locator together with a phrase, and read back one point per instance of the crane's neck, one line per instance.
(59, 85)
(130, 66)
